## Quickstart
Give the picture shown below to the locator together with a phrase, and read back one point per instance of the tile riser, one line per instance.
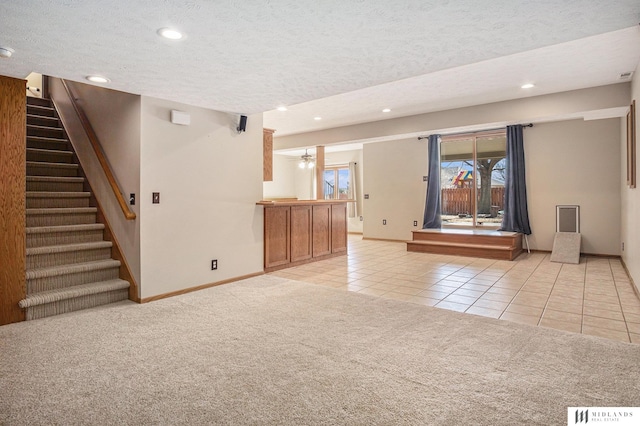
(60, 238)
(46, 260)
(75, 304)
(36, 285)
(61, 219)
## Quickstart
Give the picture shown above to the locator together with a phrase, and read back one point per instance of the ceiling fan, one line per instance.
(306, 161)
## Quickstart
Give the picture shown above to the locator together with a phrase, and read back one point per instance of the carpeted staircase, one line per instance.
(69, 265)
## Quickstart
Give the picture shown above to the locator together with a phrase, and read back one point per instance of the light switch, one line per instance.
(156, 198)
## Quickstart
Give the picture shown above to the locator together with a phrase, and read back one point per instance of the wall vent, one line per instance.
(626, 75)
(568, 219)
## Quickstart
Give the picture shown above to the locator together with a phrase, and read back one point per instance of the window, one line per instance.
(336, 183)
(472, 179)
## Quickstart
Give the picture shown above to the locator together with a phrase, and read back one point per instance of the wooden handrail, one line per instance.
(97, 148)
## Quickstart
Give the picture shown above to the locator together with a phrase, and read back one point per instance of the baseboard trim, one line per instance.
(633, 284)
(384, 239)
(605, 256)
(199, 287)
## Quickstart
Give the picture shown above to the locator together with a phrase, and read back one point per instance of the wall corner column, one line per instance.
(13, 129)
(320, 172)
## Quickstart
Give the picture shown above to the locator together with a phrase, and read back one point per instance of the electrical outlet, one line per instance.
(366, 196)
(155, 198)
(132, 199)
(425, 178)
(361, 218)
(214, 264)
(384, 221)
(623, 246)
(415, 223)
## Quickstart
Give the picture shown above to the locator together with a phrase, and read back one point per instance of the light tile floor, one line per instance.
(594, 297)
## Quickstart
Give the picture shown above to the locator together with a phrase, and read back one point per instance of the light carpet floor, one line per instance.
(274, 351)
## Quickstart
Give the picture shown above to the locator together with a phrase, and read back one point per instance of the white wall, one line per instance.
(393, 179)
(209, 179)
(115, 117)
(630, 216)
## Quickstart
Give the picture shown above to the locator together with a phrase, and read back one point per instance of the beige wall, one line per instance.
(393, 179)
(515, 111)
(209, 179)
(115, 117)
(575, 162)
(630, 215)
(568, 162)
(291, 181)
(283, 184)
(343, 158)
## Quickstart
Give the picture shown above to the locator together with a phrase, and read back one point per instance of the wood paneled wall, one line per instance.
(267, 155)
(13, 129)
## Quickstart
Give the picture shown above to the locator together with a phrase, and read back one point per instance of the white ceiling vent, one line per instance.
(626, 75)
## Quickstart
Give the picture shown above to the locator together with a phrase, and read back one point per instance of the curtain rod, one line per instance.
(477, 131)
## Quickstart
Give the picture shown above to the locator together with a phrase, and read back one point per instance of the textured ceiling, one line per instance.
(248, 56)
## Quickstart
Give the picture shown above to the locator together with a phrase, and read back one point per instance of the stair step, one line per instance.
(47, 256)
(55, 277)
(47, 132)
(61, 216)
(31, 100)
(59, 301)
(50, 199)
(41, 168)
(43, 121)
(60, 235)
(55, 183)
(487, 251)
(42, 142)
(41, 110)
(49, 155)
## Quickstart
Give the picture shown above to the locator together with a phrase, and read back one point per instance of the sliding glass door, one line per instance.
(472, 180)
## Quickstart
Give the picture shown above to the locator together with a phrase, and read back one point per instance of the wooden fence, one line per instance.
(458, 200)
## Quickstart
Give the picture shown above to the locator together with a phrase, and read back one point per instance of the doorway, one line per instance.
(472, 176)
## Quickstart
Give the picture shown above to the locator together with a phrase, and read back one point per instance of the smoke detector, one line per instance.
(6, 52)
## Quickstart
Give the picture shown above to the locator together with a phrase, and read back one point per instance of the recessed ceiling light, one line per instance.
(97, 79)
(169, 33)
(282, 108)
(527, 86)
(6, 52)
(317, 118)
(386, 110)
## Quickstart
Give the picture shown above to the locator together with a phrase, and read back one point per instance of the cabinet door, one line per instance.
(300, 233)
(276, 236)
(338, 228)
(321, 230)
